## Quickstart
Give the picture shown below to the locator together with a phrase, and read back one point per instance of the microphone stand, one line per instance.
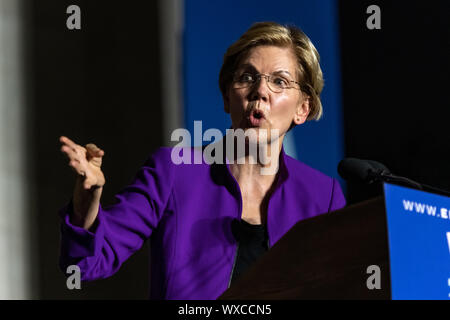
(384, 176)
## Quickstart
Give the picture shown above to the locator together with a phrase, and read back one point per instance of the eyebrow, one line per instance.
(250, 66)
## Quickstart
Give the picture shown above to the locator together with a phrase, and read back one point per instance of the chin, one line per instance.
(261, 135)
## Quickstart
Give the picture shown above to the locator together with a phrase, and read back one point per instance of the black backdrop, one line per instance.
(396, 89)
(100, 84)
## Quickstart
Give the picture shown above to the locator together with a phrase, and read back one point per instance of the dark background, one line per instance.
(396, 90)
(100, 84)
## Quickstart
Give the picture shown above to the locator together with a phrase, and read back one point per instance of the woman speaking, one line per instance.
(208, 222)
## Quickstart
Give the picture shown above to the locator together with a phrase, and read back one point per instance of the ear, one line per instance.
(302, 111)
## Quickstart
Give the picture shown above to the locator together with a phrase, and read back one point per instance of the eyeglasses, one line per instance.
(276, 82)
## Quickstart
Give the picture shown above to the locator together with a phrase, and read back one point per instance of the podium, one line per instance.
(405, 234)
(324, 257)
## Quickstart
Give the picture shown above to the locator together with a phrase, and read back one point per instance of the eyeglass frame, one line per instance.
(268, 77)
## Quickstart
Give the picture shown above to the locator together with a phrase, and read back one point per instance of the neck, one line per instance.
(261, 168)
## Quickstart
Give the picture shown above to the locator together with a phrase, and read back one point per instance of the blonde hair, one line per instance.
(271, 33)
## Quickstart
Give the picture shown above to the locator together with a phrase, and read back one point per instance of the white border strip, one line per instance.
(171, 22)
(14, 236)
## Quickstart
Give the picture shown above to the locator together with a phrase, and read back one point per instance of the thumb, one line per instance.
(94, 151)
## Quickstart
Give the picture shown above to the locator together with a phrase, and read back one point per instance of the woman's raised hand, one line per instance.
(85, 161)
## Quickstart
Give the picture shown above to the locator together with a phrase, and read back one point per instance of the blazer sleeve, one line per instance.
(120, 229)
(337, 197)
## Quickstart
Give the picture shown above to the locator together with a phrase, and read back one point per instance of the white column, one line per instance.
(171, 22)
(14, 241)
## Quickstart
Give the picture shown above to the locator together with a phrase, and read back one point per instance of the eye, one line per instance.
(280, 82)
(245, 77)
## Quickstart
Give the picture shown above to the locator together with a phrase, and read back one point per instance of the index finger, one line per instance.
(67, 141)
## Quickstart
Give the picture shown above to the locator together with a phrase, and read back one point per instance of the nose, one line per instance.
(260, 90)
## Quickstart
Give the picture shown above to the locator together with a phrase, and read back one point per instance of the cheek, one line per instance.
(236, 108)
(237, 102)
(284, 106)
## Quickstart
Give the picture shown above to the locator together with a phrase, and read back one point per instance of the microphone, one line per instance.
(369, 171)
(365, 171)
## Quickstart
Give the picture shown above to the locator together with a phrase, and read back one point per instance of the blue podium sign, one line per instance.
(419, 243)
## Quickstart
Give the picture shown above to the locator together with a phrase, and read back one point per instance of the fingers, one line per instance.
(91, 149)
(68, 142)
(77, 167)
(72, 154)
(79, 157)
(94, 151)
(75, 153)
(72, 146)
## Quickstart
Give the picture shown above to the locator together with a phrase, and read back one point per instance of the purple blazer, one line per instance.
(187, 211)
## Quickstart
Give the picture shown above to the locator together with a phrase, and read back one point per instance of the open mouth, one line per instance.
(256, 117)
(258, 114)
